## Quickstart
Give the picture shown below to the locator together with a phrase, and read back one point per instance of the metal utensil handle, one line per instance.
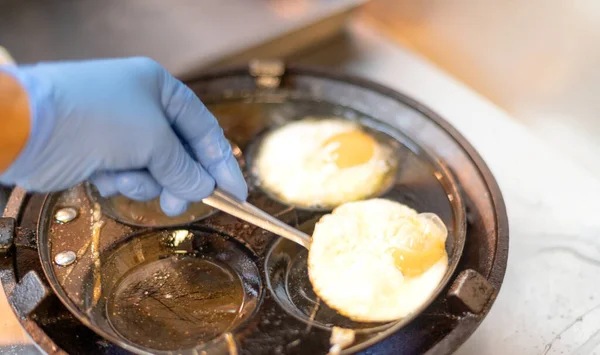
(251, 214)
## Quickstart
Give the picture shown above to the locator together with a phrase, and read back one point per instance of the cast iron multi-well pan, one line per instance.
(142, 293)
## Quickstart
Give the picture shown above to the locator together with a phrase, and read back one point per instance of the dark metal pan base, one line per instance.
(262, 322)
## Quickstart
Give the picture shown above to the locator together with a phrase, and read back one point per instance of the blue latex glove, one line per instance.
(127, 125)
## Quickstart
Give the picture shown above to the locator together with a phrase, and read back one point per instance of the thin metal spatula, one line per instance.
(251, 214)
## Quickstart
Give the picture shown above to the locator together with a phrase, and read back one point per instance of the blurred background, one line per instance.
(537, 59)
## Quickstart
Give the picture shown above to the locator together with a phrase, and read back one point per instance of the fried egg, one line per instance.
(377, 260)
(323, 163)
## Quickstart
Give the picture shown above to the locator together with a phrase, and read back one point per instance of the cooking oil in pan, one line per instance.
(176, 302)
(150, 214)
(173, 290)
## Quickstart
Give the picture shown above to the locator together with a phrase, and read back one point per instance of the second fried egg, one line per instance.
(377, 260)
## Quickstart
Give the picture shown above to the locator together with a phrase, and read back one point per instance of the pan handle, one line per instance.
(29, 294)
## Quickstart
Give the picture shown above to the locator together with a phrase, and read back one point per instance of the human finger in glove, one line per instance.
(125, 124)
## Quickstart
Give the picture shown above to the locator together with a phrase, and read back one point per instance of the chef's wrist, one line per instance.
(15, 118)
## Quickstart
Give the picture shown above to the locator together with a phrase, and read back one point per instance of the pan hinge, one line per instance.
(470, 292)
(267, 73)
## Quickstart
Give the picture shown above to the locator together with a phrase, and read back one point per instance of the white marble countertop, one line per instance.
(549, 302)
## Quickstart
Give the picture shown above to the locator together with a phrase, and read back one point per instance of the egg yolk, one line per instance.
(420, 255)
(414, 262)
(350, 149)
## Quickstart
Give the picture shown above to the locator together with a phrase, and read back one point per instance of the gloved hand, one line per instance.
(126, 124)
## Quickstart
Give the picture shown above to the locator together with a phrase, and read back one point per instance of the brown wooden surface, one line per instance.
(11, 332)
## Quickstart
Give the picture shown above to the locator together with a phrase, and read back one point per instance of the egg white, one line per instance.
(293, 165)
(352, 270)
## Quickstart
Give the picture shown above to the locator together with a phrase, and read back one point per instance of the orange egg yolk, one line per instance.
(350, 149)
(413, 262)
(420, 255)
